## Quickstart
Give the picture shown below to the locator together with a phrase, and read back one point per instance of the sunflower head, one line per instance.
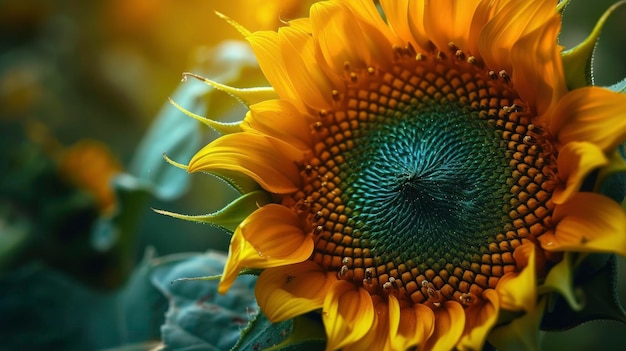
(424, 163)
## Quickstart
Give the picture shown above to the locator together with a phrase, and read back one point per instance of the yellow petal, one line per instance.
(288, 291)
(253, 155)
(484, 12)
(409, 325)
(518, 291)
(348, 314)
(449, 325)
(537, 68)
(576, 160)
(449, 22)
(587, 222)
(590, 114)
(267, 51)
(377, 338)
(406, 20)
(513, 21)
(344, 38)
(271, 236)
(281, 120)
(310, 82)
(480, 318)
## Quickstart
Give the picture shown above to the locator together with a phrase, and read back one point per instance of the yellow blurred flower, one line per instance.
(425, 169)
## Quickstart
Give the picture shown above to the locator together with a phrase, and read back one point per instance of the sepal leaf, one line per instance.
(577, 61)
(230, 216)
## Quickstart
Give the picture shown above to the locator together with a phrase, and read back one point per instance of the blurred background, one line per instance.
(81, 84)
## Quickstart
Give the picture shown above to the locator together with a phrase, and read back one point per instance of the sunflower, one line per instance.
(421, 170)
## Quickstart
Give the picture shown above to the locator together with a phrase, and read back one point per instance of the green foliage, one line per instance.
(44, 309)
(174, 134)
(199, 318)
(303, 333)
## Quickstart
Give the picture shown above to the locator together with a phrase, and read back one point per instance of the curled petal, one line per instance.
(576, 160)
(449, 326)
(409, 325)
(480, 318)
(271, 236)
(251, 154)
(513, 21)
(342, 38)
(288, 291)
(539, 77)
(518, 291)
(348, 314)
(587, 222)
(281, 120)
(592, 114)
(378, 336)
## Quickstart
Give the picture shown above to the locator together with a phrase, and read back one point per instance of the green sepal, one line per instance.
(560, 279)
(577, 61)
(220, 127)
(230, 216)
(247, 96)
(522, 333)
(560, 7)
(303, 333)
(595, 281)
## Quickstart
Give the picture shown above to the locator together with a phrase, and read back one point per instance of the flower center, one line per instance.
(425, 177)
(426, 182)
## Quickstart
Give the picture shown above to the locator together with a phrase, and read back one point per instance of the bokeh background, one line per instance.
(103, 70)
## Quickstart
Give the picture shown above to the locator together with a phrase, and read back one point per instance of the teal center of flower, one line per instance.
(425, 178)
(426, 183)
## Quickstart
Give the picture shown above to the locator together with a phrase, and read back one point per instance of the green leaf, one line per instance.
(199, 318)
(577, 61)
(174, 134)
(230, 216)
(595, 280)
(304, 333)
(15, 235)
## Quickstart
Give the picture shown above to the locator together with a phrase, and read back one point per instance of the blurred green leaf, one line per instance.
(174, 134)
(14, 235)
(199, 318)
